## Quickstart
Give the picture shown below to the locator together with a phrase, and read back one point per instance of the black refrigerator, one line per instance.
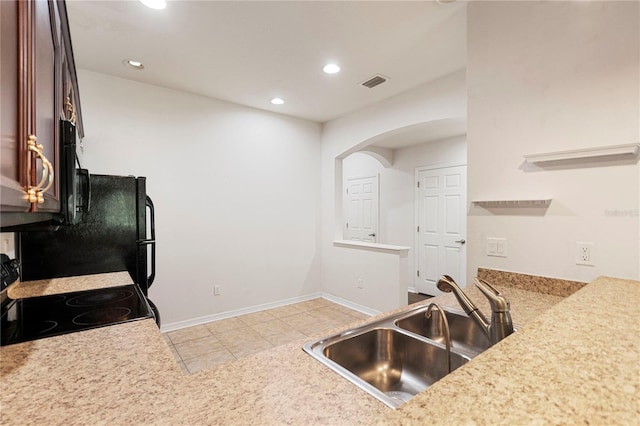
(116, 233)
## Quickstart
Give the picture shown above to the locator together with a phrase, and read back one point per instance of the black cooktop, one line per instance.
(45, 316)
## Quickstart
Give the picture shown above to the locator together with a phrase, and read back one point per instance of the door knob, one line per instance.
(460, 241)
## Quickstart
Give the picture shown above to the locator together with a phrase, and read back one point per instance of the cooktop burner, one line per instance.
(45, 316)
(101, 298)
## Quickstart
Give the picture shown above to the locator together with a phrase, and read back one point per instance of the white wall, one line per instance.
(235, 189)
(397, 186)
(442, 99)
(545, 77)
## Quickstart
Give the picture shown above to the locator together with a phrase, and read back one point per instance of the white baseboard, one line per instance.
(412, 290)
(257, 308)
(350, 304)
(234, 313)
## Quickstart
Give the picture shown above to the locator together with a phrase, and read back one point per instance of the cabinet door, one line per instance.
(31, 106)
(13, 155)
(30, 75)
(46, 95)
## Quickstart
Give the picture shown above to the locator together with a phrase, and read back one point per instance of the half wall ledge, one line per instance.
(371, 246)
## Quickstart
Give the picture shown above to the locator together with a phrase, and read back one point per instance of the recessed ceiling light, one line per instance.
(277, 101)
(136, 65)
(331, 68)
(154, 4)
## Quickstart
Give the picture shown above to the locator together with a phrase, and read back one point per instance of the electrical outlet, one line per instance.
(360, 283)
(585, 254)
(216, 290)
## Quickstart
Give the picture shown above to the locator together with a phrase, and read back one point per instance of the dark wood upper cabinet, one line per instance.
(38, 88)
(46, 99)
(12, 109)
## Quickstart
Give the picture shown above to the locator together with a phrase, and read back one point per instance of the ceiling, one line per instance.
(248, 52)
(417, 134)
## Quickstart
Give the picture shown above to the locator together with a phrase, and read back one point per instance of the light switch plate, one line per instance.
(496, 247)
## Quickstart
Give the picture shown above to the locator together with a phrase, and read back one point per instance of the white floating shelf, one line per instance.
(587, 153)
(514, 203)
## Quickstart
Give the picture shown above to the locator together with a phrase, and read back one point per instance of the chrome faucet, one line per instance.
(445, 330)
(501, 324)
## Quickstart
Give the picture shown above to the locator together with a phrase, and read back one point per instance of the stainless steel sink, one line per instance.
(466, 336)
(396, 364)
(400, 355)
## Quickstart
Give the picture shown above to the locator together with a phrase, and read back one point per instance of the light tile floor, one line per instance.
(215, 343)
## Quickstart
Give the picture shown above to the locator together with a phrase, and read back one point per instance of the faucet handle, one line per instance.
(498, 302)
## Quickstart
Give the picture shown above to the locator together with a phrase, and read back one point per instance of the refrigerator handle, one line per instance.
(152, 240)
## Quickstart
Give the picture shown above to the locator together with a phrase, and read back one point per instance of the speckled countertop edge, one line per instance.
(26, 289)
(546, 285)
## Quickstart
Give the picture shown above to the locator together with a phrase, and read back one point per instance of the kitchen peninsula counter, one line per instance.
(48, 287)
(575, 361)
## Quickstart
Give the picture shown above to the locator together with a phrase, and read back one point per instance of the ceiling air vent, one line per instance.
(374, 81)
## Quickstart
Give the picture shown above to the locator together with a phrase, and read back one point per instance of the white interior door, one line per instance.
(361, 208)
(441, 225)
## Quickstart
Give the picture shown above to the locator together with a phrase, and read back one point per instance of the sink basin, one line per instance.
(466, 336)
(396, 364)
(398, 356)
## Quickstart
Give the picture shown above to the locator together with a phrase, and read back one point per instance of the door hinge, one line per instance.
(418, 228)
(347, 224)
(418, 183)
(418, 272)
(347, 190)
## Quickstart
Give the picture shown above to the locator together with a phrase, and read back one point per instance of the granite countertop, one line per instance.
(562, 367)
(579, 363)
(68, 284)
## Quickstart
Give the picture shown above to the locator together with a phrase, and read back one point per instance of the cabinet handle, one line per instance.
(36, 193)
(71, 111)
